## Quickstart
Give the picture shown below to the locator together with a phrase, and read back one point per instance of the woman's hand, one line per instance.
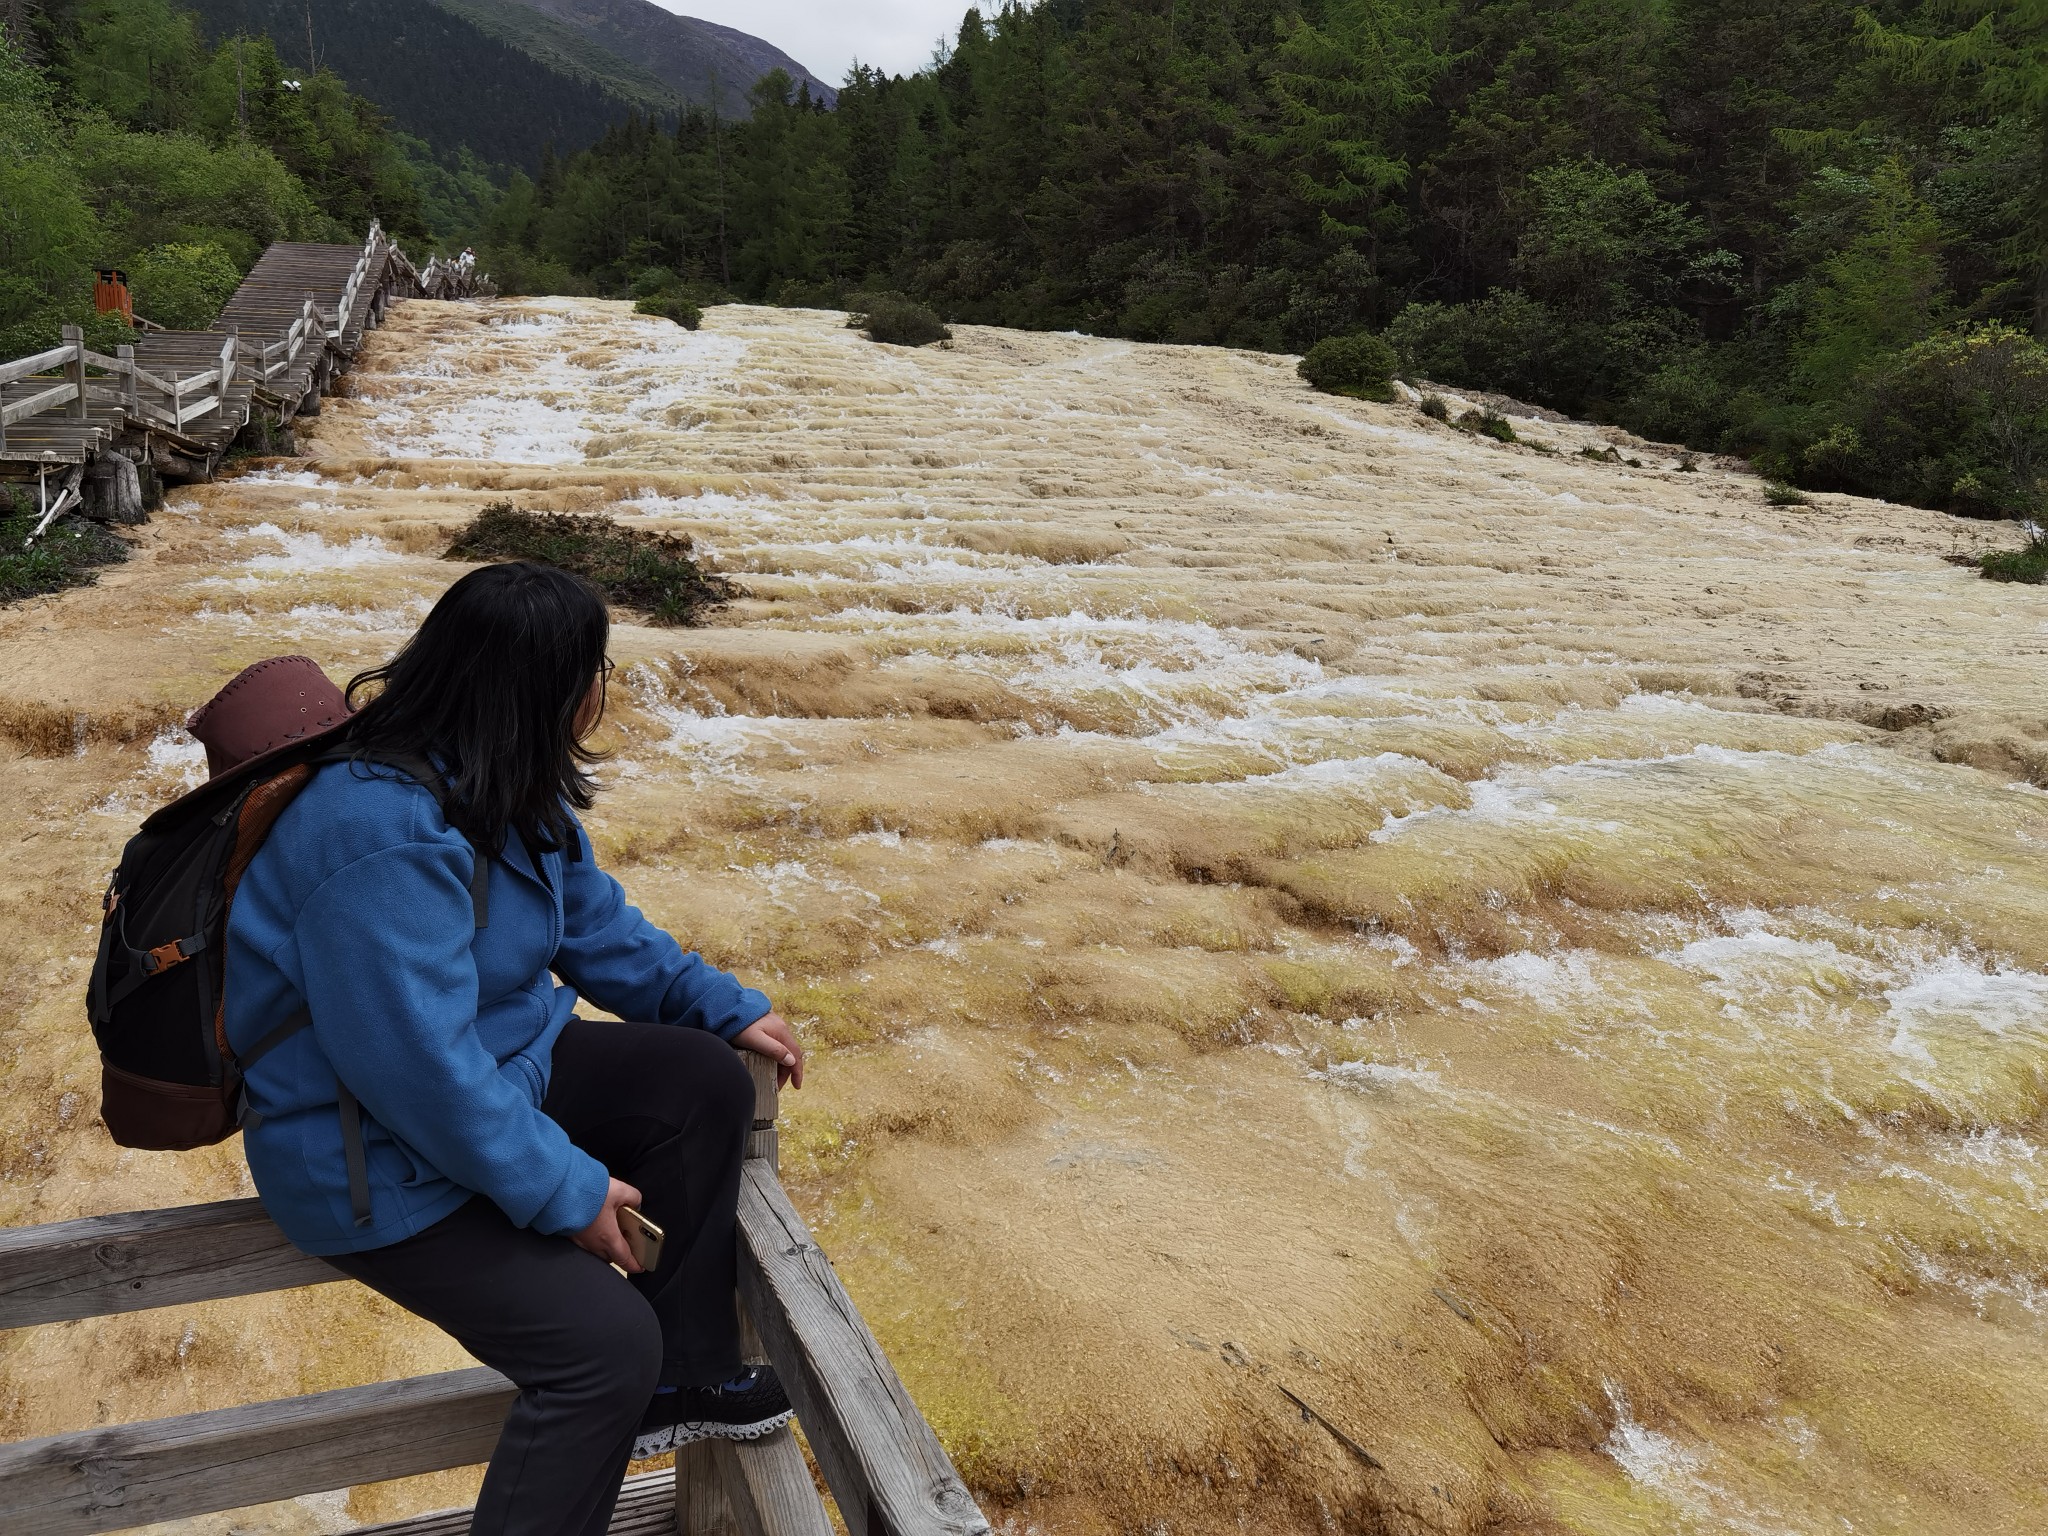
(603, 1237)
(771, 1036)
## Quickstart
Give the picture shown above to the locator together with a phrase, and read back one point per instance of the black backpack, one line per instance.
(168, 1079)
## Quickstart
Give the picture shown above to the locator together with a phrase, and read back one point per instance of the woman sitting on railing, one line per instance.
(444, 1130)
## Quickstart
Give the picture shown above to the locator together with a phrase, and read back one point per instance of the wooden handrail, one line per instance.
(124, 1475)
(99, 1265)
(22, 368)
(35, 405)
(886, 1469)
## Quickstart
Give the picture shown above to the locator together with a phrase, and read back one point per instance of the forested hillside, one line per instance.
(445, 80)
(504, 79)
(125, 141)
(1808, 230)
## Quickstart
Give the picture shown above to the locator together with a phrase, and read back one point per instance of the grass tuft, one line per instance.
(1488, 424)
(1434, 408)
(1786, 496)
(654, 572)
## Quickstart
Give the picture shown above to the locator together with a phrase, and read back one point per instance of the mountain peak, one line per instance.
(700, 61)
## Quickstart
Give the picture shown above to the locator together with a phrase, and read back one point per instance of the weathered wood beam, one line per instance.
(768, 1487)
(887, 1471)
(36, 404)
(167, 1469)
(21, 368)
(141, 1259)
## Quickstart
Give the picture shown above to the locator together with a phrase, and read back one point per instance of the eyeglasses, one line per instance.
(605, 669)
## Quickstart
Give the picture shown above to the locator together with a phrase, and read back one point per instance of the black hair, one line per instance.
(489, 687)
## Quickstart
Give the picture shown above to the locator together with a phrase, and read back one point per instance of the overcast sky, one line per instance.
(826, 36)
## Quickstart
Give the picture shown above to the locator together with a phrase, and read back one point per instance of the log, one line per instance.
(141, 1259)
(167, 1469)
(887, 1471)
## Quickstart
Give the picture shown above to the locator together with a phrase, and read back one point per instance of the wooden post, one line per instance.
(712, 1497)
(133, 392)
(74, 338)
(177, 403)
(701, 1506)
(228, 352)
(762, 1140)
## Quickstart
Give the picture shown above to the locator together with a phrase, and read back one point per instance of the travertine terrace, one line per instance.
(1539, 959)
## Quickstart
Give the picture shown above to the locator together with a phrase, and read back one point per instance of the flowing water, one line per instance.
(1537, 960)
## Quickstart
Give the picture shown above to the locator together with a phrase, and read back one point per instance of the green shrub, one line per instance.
(654, 572)
(649, 281)
(671, 305)
(891, 318)
(1434, 408)
(65, 556)
(1488, 423)
(1786, 496)
(1504, 342)
(2029, 564)
(183, 287)
(1686, 401)
(1608, 455)
(1360, 365)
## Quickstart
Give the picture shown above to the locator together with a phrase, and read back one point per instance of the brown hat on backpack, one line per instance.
(271, 705)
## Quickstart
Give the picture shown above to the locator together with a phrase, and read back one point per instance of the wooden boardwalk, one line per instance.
(177, 400)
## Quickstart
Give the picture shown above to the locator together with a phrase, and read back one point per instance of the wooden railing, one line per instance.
(173, 403)
(886, 1470)
(148, 399)
(355, 279)
(278, 357)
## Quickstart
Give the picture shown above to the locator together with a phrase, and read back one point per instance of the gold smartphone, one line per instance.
(642, 1236)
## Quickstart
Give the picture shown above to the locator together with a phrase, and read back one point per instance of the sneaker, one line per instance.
(749, 1406)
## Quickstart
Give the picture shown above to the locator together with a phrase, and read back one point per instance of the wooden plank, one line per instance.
(768, 1486)
(887, 1471)
(36, 404)
(142, 1259)
(166, 1469)
(643, 1510)
(21, 368)
(700, 1504)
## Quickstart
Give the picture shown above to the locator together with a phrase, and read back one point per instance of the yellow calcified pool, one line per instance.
(1538, 959)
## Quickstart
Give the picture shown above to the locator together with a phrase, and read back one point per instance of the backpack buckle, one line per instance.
(164, 956)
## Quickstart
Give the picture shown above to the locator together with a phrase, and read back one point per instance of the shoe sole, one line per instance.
(656, 1442)
(690, 1433)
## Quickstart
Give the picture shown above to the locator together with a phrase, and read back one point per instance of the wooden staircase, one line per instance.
(178, 399)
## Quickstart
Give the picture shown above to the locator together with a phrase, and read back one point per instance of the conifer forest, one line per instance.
(1811, 232)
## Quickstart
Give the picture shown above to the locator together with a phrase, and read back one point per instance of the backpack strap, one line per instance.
(352, 1153)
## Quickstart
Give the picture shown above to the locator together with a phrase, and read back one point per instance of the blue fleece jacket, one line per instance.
(358, 908)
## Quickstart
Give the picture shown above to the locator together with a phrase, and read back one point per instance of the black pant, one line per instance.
(666, 1110)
